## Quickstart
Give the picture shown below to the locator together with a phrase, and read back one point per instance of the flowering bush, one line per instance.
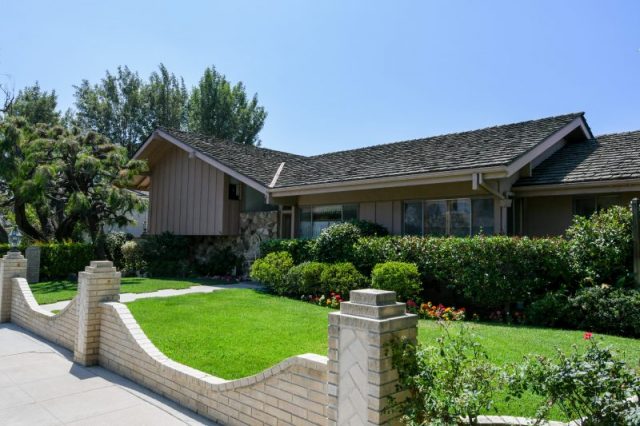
(331, 301)
(439, 312)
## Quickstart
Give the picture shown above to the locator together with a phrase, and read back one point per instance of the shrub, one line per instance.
(220, 261)
(401, 277)
(549, 311)
(335, 243)
(301, 250)
(606, 310)
(113, 244)
(369, 229)
(593, 386)
(166, 254)
(341, 278)
(60, 260)
(271, 271)
(304, 279)
(132, 260)
(601, 247)
(447, 382)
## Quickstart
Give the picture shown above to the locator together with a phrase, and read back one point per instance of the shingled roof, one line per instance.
(488, 147)
(608, 157)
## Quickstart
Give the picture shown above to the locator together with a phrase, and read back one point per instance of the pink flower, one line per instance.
(588, 335)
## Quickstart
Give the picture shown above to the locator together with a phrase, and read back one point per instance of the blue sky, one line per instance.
(339, 74)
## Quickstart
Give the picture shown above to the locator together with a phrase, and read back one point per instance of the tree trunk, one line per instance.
(20, 212)
(4, 237)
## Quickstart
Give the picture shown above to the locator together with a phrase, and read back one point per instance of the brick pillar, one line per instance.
(361, 377)
(12, 265)
(99, 282)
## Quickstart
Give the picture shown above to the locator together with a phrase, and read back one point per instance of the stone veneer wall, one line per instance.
(25, 311)
(292, 392)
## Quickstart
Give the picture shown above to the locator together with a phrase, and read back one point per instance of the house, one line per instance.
(526, 178)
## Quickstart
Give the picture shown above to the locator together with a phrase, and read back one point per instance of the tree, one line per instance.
(167, 99)
(115, 108)
(35, 105)
(223, 111)
(60, 182)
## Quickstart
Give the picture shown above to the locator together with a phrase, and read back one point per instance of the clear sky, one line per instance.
(340, 74)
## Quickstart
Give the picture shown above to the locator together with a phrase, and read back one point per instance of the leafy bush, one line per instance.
(301, 250)
(447, 382)
(335, 243)
(549, 311)
(305, 279)
(369, 229)
(132, 260)
(272, 270)
(341, 278)
(593, 386)
(220, 261)
(60, 260)
(601, 247)
(113, 244)
(606, 310)
(401, 277)
(166, 254)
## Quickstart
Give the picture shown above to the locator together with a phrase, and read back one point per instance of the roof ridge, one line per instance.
(628, 132)
(575, 114)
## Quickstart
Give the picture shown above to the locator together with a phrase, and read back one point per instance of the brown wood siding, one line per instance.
(189, 196)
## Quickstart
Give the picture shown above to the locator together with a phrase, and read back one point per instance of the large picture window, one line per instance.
(314, 219)
(458, 217)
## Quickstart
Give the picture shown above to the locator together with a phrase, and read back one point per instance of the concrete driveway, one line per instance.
(40, 385)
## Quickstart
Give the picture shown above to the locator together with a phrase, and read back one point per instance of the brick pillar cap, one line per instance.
(14, 255)
(372, 297)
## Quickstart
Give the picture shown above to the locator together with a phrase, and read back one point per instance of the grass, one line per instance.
(236, 333)
(54, 291)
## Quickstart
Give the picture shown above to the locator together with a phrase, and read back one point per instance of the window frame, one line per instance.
(313, 206)
(448, 200)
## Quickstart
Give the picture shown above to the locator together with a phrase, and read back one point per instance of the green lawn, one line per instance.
(54, 291)
(235, 333)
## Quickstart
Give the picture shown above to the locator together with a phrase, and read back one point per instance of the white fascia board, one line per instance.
(546, 144)
(218, 165)
(599, 187)
(390, 182)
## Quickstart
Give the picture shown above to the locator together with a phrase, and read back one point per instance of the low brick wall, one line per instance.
(25, 311)
(292, 392)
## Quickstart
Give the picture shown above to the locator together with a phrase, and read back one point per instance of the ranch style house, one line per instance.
(527, 178)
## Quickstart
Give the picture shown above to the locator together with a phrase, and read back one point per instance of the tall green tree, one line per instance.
(167, 99)
(35, 105)
(218, 109)
(59, 182)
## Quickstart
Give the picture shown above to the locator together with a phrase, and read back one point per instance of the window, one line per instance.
(458, 217)
(314, 219)
(234, 193)
(586, 206)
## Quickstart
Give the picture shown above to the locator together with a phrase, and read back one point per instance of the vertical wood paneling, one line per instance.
(368, 211)
(220, 196)
(384, 214)
(197, 179)
(397, 218)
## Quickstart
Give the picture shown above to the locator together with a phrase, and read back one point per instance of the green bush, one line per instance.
(601, 247)
(166, 255)
(272, 270)
(60, 260)
(549, 311)
(606, 310)
(401, 277)
(305, 279)
(369, 229)
(341, 278)
(335, 243)
(301, 250)
(113, 244)
(132, 260)
(220, 261)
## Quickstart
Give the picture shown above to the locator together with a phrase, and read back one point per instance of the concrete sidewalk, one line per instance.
(40, 385)
(130, 297)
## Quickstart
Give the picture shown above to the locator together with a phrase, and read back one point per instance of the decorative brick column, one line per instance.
(12, 265)
(361, 377)
(100, 282)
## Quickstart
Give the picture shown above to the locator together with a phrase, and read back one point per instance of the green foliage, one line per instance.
(601, 247)
(272, 270)
(593, 386)
(341, 278)
(113, 243)
(219, 261)
(218, 109)
(605, 309)
(549, 311)
(401, 277)
(35, 106)
(167, 99)
(60, 260)
(305, 279)
(450, 382)
(59, 182)
(166, 255)
(132, 257)
(301, 250)
(335, 243)
(369, 229)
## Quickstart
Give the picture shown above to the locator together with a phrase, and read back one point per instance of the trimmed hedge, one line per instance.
(341, 278)
(305, 279)
(60, 260)
(272, 270)
(301, 250)
(401, 277)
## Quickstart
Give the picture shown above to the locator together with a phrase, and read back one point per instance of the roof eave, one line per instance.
(573, 188)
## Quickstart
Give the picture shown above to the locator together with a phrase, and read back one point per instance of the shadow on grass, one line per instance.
(53, 286)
